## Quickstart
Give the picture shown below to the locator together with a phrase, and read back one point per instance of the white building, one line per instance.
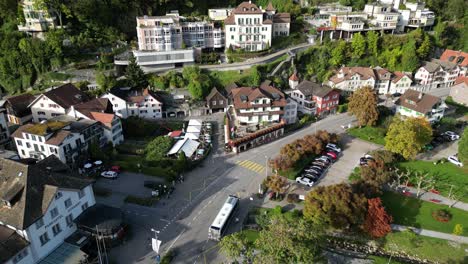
(39, 204)
(252, 28)
(437, 73)
(56, 102)
(36, 21)
(417, 104)
(415, 15)
(127, 102)
(382, 16)
(401, 81)
(219, 14)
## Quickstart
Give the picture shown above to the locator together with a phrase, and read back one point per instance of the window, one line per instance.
(21, 255)
(84, 206)
(214, 102)
(44, 238)
(54, 212)
(81, 193)
(68, 203)
(56, 229)
(58, 195)
(19, 142)
(28, 145)
(69, 219)
(39, 223)
(42, 148)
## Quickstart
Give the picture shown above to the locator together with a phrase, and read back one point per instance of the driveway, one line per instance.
(442, 151)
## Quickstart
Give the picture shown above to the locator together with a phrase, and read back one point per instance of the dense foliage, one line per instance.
(377, 223)
(157, 149)
(363, 104)
(463, 147)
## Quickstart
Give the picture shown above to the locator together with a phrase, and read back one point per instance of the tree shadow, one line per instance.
(404, 210)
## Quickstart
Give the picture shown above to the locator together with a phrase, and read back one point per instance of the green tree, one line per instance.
(408, 137)
(289, 240)
(105, 82)
(338, 54)
(409, 58)
(373, 42)
(199, 83)
(463, 147)
(255, 77)
(456, 9)
(337, 205)
(363, 104)
(358, 44)
(277, 184)
(234, 245)
(136, 78)
(157, 149)
(57, 7)
(425, 48)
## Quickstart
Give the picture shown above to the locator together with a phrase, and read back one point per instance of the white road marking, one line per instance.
(173, 242)
(164, 220)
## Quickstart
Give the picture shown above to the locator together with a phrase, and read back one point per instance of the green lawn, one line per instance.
(445, 175)
(251, 235)
(298, 167)
(414, 212)
(224, 78)
(433, 249)
(355, 174)
(373, 134)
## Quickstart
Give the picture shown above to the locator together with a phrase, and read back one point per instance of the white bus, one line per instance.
(221, 221)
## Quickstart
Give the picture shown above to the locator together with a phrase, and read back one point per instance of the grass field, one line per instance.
(445, 175)
(355, 174)
(410, 211)
(225, 78)
(433, 249)
(373, 134)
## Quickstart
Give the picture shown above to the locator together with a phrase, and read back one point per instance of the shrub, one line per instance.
(442, 215)
(293, 198)
(168, 257)
(342, 108)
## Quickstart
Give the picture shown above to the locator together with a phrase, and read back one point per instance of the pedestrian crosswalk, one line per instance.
(250, 165)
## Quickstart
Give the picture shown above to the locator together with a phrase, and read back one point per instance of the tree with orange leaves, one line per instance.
(377, 223)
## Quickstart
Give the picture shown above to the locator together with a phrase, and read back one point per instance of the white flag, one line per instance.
(155, 244)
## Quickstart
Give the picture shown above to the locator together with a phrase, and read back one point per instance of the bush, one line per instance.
(166, 259)
(293, 198)
(342, 108)
(442, 215)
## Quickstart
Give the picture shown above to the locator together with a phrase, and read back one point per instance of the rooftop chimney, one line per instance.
(420, 96)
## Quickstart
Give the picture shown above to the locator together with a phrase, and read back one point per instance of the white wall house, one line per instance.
(43, 219)
(437, 73)
(352, 78)
(417, 104)
(56, 102)
(251, 28)
(126, 102)
(400, 82)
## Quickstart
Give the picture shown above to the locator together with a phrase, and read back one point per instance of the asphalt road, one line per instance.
(183, 220)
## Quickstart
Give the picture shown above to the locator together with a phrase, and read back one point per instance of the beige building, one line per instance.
(36, 21)
(459, 92)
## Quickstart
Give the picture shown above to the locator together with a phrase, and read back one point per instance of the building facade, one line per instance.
(36, 21)
(216, 101)
(437, 73)
(400, 82)
(459, 92)
(4, 131)
(17, 108)
(315, 99)
(41, 219)
(127, 102)
(251, 28)
(417, 104)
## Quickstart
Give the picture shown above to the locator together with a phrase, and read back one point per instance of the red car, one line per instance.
(331, 155)
(115, 169)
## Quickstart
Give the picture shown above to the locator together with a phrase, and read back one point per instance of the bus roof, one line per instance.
(225, 211)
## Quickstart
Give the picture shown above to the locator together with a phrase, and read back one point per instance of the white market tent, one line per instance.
(191, 129)
(192, 135)
(187, 145)
(195, 122)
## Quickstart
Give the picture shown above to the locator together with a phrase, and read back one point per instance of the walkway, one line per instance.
(435, 198)
(430, 233)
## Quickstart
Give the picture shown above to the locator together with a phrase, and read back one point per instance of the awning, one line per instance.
(65, 253)
(191, 129)
(188, 146)
(195, 122)
(192, 135)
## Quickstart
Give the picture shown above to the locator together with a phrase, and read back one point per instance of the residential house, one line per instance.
(413, 16)
(17, 108)
(251, 28)
(382, 82)
(314, 98)
(400, 82)
(255, 105)
(40, 202)
(290, 111)
(56, 102)
(100, 109)
(351, 78)
(293, 81)
(437, 73)
(127, 102)
(458, 57)
(63, 137)
(216, 101)
(459, 92)
(37, 20)
(4, 131)
(382, 16)
(417, 104)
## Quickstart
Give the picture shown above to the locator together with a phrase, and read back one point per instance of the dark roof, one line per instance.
(417, 101)
(214, 92)
(229, 87)
(102, 105)
(66, 95)
(244, 96)
(435, 64)
(133, 95)
(10, 243)
(247, 8)
(40, 182)
(19, 104)
(309, 88)
(282, 18)
(106, 218)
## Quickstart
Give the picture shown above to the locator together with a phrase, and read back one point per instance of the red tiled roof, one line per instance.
(461, 79)
(104, 118)
(364, 73)
(282, 18)
(458, 57)
(176, 133)
(247, 8)
(417, 101)
(270, 7)
(58, 137)
(294, 77)
(398, 75)
(262, 132)
(243, 96)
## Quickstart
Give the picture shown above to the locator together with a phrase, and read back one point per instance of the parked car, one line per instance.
(325, 159)
(428, 147)
(454, 159)
(364, 161)
(317, 168)
(109, 174)
(437, 141)
(332, 155)
(334, 147)
(346, 126)
(305, 181)
(320, 164)
(313, 171)
(452, 136)
(396, 94)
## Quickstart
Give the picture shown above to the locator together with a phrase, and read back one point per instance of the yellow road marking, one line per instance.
(250, 165)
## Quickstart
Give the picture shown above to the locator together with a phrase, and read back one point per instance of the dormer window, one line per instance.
(58, 195)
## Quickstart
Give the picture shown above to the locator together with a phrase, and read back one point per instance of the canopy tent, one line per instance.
(187, 145)
(195, 122)
(192, 135)
(191, 129)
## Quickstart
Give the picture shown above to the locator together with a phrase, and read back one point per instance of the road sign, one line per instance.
(155, 244)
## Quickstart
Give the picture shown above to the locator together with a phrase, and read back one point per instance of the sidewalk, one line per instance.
(430, 233)
(435, 198)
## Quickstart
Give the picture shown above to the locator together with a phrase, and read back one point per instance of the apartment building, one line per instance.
(168, 41)
(255, 105)
(314, 98)
(140, 103)
(17, 108)
(100, 110)
(382, 16)
(252, 28)
(63, 137)
(219, 14)
(417, 104)
(36, 21)
(458, 57)
(56, 102)
(437, 73)
(414, 16)
(40, 202)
